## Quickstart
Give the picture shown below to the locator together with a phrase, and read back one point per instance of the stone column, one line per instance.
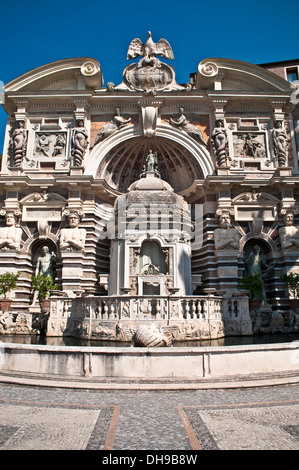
(289, 239)
(72, 241)
(227, 270)
(227, 239)
(72, 271)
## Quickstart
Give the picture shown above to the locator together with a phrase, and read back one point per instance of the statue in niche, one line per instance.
(19, 140)
(226, 237)
(73, 238)
(45, 260)
(10, 236)
(289, 234)
(183, 124)
(220, 142)
(117, 123)
(256, 265)
(151, 161)
(280, 142)
(79, 143)
(44, 266)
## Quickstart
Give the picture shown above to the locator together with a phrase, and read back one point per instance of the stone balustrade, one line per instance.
(140, 307)
(113, 317)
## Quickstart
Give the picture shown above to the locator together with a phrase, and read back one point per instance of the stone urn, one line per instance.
(5, 304)
(45, 305)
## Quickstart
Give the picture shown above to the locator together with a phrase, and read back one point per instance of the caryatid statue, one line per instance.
(10, 236)
(72, 238)
(220, 141)
(19, 140)
(289, 234)
(79, 143)
(280, 142)
(226, 237)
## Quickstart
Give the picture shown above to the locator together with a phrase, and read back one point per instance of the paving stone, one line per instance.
(42, 418)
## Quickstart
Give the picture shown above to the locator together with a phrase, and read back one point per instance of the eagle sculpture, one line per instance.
(150, 48)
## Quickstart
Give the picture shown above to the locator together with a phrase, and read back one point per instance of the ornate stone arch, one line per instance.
(183, 159)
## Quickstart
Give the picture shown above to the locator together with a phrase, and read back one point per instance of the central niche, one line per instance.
(151, 260)
(124, 163)
(152, 268)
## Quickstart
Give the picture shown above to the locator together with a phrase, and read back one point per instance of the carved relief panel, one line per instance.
(250, 146)
(49, 146)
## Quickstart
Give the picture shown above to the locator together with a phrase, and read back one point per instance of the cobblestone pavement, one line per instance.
(60, 419)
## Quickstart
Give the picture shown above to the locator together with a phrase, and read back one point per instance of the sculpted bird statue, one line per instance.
(150, 48)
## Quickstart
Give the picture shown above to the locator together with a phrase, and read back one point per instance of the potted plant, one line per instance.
(255, 285)
(292, 281)
(8, 281)
(43, 285)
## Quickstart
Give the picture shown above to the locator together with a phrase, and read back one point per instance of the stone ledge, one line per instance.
(111, 383)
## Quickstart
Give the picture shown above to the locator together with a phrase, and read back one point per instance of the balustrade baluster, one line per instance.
(193, 316)
(199, 309)
(205, 309)
(187, 310)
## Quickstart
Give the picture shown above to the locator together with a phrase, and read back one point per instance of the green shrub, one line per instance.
(8, 282)
(292, 280)
(43, 284)
(254, 284)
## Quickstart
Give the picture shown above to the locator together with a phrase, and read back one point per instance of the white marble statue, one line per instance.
(226, 237)
(10, 236)
(72, 238)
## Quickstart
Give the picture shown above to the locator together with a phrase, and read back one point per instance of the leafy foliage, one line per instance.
(43, 284)
(8, 281)
(292, 280)
(254, 284)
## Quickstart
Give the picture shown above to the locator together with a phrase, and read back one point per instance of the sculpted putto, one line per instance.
(73, 238)
(226, 237)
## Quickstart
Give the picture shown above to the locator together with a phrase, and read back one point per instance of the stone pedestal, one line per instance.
(72, 271)
(227, 270)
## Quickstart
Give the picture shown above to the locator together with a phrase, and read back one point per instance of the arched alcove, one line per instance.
(151, 259)
(119, 159)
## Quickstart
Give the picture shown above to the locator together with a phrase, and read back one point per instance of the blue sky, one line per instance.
(34, 33)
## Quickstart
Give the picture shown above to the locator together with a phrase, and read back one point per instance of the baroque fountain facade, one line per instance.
(145, 201)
